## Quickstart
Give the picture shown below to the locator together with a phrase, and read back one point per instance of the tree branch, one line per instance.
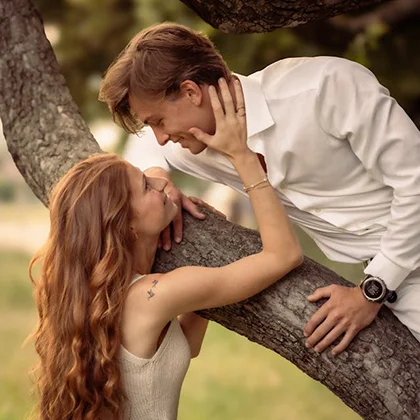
(378, 376)
(248, 16)
(390, 14)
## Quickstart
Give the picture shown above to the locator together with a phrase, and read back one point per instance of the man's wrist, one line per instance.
(392, 273)
(375, 290)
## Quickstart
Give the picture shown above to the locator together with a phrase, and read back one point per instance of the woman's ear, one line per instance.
(134, 233)
(192, 91)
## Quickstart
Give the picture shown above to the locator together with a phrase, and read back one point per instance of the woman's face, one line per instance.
(153, 210)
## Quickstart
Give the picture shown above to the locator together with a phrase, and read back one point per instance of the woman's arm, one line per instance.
(191, 288)
(194, 328)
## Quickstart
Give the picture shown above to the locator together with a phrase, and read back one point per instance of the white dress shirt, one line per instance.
(342, 154)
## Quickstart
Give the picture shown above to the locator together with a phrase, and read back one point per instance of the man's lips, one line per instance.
(183, 142)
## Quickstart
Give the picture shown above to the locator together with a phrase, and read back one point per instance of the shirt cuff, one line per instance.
(392, 274)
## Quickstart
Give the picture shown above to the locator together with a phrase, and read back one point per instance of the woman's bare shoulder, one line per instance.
(142, 322)
(140, 293)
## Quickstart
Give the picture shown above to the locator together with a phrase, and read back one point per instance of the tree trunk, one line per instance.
(379, 375)
(44, 130)
(245, 16)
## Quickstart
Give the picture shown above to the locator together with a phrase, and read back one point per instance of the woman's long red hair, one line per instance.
(86, 266)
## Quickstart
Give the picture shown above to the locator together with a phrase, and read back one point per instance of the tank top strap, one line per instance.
(136, 278)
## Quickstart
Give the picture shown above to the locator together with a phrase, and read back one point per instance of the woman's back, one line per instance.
(153, 385)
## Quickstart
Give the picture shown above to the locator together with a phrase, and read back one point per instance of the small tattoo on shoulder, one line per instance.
(150, 292)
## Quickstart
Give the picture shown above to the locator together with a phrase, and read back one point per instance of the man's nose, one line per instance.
(161, 136)
(158, 184)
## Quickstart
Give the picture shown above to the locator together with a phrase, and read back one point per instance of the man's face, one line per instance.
(171, 118)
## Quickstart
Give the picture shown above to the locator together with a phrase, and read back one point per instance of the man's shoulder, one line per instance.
(309, 64)
(296, 75)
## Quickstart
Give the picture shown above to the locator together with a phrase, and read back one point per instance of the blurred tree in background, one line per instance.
(88, 34)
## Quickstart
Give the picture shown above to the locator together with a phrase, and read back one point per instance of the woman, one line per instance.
(111, 340)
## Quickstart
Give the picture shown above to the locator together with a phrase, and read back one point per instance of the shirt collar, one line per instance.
(258, 115)
(258, 119)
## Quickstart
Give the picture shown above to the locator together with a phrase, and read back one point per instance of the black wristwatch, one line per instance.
(374, 290)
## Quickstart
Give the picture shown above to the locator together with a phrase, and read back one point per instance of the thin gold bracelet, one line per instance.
(253, 186)
(260, 187)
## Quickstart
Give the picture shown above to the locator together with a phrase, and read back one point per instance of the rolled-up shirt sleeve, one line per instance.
(143, 151)
(354, 107)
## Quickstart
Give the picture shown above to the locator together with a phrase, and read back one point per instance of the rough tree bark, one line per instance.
(379, 375)
(37, 110)
(244, 16)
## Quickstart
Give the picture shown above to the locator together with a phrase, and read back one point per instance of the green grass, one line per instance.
(238, 380)
(12, 212)
(232, 379)
(18, 318)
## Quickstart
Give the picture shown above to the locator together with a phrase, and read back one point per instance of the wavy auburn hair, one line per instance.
(86, 267)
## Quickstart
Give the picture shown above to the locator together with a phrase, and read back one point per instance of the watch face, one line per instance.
(373, 288)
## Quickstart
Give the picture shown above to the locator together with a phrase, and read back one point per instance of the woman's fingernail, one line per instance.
(177, 239)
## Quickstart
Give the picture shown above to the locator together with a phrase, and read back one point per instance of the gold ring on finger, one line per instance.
(241, 111)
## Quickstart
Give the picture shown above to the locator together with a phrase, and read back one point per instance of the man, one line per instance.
(342, 154)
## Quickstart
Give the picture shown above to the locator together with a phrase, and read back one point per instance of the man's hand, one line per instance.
(345, 312)
(202, 203)
(183, 202)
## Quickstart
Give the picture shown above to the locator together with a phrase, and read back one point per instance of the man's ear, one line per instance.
(192, 91)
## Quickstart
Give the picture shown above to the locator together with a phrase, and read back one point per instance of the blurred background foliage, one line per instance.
(233, 378)
(90, 34)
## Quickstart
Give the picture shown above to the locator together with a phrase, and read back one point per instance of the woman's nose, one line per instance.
(158, 184)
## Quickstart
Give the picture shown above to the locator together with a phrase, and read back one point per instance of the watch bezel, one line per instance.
(383, 294)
